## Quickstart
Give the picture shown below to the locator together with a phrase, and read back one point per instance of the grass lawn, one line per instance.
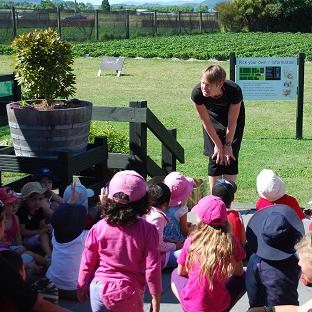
(166, 84)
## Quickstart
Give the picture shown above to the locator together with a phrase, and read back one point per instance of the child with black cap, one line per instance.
(226, 189)
(68, 239)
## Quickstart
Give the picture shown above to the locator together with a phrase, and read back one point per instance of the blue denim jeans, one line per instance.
(118, 295)
(96, 289)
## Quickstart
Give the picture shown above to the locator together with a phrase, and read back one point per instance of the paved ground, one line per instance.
(168, 301)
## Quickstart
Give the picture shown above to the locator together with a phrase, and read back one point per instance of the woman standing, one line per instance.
(219, 104)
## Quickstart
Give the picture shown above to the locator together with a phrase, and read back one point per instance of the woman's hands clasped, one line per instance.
(218, 154)
(223, 155)
(228, 154)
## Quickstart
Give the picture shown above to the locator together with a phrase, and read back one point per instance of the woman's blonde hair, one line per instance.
(213, 74)
(212, 248)
(304, 248)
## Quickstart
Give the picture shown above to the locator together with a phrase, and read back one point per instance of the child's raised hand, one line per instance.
(74, 194)
(103, 195)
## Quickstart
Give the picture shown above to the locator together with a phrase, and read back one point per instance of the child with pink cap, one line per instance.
(181, 187)
(210, 275)
(121, 252)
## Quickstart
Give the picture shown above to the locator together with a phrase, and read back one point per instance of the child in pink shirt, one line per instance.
(210, 275)
(159, 195)
(121, 252)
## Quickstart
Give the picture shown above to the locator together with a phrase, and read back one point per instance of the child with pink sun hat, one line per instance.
(181, 187)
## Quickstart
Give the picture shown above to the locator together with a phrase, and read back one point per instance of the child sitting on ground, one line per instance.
(121, 252)
(43, 286)
(159, 195)
(210, 275)
(46, 178)
(33, 228)
(225, 189)
(181, 187)
(304, 251)
(12, 237)
(271, 189)
(68, 239)
(15, 293)
(273, 273)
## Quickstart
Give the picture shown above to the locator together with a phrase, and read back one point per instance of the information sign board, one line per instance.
(267, 78)
(111, 62)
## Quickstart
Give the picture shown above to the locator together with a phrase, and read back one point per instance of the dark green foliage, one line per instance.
(117, 141)
(44, 65)
(275, 15)
(230, 19)
(105, 6)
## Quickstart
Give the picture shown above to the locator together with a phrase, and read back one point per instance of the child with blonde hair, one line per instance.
(210, 275)
(180, 187)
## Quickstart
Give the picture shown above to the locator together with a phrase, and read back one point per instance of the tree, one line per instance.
(45, 5)
(230, 19)
(276, 15)
(255, 12)
(105, 6)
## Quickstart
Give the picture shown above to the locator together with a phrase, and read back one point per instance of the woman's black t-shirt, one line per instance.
(218, 109)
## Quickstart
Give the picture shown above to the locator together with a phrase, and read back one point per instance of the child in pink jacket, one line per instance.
(121, 252)
(159, 200)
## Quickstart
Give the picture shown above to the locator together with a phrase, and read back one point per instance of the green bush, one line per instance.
(44, 65)
(117, 141)
(5, 49)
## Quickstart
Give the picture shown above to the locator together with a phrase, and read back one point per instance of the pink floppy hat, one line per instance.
(211, 210)
(180, 187)
(128, 182)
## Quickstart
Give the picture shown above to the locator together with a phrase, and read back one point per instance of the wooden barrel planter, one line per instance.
(45, 133)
